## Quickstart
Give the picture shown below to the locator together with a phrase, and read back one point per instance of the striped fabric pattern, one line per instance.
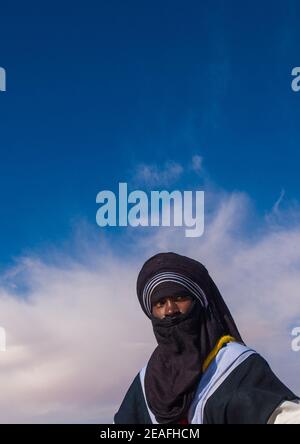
(178, 278)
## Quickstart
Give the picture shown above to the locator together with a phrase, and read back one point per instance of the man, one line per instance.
(201, 372)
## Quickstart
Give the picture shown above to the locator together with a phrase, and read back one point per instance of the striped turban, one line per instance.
(183, 345)
(170, 274)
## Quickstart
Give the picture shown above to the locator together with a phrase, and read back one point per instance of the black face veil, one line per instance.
(184, 341)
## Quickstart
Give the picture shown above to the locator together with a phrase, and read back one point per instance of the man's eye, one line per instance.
(180, 298)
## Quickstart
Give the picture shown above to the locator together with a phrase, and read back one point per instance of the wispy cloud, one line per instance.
(196, 164)
(154, 175)
(275, 208)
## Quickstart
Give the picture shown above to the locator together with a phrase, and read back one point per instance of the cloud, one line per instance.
(275, 209)
(152, 175)
(67, 341)
(197, 162)
(76, 336)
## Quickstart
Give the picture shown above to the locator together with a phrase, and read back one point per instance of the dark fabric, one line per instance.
(184, 341)
(133, 409)
(249, 395)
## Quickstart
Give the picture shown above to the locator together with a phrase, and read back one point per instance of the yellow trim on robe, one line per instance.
(222, 341)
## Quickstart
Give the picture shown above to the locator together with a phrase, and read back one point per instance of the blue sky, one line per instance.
(96, 88)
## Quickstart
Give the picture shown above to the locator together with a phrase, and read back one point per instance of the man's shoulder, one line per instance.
(133, 409)
(249, 394)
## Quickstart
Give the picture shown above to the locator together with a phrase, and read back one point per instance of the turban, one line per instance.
(183, 342)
